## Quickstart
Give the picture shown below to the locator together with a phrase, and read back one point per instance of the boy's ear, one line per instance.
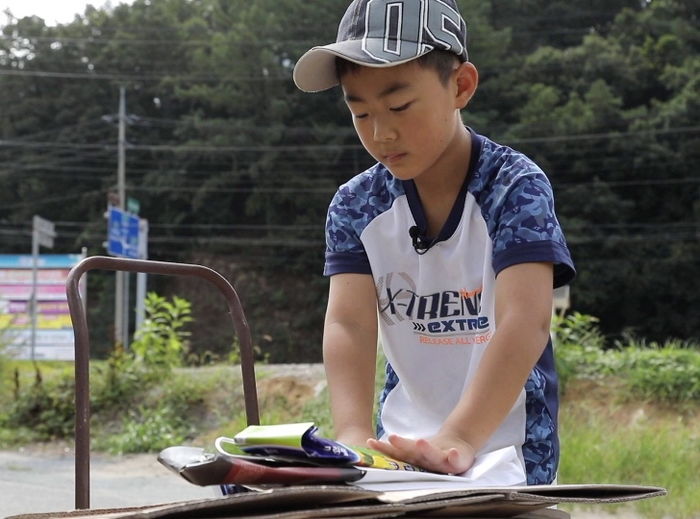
(467, 79)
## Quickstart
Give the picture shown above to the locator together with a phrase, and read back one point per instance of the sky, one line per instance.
(52, 11)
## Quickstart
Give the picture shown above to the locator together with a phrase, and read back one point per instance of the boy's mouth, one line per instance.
(390, 158)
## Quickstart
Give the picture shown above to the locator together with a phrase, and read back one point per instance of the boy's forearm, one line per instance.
(350, 360)
(523, 315)
(494, 390)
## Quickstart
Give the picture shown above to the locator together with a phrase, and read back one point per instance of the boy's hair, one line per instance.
(441, 61)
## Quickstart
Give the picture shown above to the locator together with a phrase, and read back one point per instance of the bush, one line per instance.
(668, 372)
(147, 430)
(578, 347)
(577, 329)
(115, 382)
(46, 408)
(664, 373)
(162, 340)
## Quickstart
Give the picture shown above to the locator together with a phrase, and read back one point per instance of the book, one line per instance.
(205, 468)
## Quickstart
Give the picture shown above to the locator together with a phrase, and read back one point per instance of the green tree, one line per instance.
(612, 121)
(235, 168)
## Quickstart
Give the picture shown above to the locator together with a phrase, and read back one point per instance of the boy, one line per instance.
(448, 246)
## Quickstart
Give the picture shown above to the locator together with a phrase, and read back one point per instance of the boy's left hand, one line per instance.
(443, 452)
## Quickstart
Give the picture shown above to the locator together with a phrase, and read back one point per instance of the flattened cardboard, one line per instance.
(336, 501)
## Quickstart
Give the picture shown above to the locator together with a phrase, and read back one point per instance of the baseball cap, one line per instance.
(384, 33)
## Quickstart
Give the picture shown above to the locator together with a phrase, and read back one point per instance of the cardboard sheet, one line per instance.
(336, 501)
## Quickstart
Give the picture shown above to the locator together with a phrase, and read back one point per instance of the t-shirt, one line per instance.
(436, 305)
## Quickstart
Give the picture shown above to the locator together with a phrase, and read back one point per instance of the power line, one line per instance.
(57, 145)
(607, 135)
(182, 147)
(43, 201)
(142, 77)
(534, 16)
(51, 171)
(282, 190)
(324, 147)
(636, 182)
(310, 241)
(648, 238)
(47, 170)
(96, 125)
(210, 226)
(137, 41)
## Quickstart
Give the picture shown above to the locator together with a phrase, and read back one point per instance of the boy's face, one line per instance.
(405, 117)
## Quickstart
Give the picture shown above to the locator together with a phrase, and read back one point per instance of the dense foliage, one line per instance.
(663, 372)
(234, 168)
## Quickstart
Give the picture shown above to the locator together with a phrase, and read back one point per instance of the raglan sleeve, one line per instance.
(345, 252)
(524, 225)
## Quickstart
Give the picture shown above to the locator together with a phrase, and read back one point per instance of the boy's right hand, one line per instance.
(443, 452)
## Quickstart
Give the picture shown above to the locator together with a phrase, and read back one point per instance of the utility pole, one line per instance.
(120, 302)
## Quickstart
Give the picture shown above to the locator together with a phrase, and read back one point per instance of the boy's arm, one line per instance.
(349, 355)
(523, 314)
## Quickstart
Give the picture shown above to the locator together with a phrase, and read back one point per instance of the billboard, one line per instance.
(53, 338)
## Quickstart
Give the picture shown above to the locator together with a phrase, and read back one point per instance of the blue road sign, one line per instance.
(122, 234)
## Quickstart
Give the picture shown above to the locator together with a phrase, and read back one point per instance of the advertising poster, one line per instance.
(54, 332)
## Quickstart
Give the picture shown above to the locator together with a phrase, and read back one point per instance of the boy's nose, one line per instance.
(383, 132)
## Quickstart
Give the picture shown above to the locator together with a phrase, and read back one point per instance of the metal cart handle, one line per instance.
(82, 348)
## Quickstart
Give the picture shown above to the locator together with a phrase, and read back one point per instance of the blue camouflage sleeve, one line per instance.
(344, 249)
(353, 208)
(522, 221)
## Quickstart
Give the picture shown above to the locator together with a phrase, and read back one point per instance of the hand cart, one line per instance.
(82, 348)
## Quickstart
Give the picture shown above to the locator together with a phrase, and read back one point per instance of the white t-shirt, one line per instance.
(436, 304)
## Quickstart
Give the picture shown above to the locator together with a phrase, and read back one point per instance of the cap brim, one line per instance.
(315, 71)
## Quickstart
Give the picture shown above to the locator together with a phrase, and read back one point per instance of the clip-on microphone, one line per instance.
(420, 243)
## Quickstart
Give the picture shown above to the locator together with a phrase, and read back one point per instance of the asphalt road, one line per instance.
(34, 480)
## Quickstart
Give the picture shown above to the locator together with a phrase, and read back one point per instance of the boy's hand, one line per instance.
(443, 452)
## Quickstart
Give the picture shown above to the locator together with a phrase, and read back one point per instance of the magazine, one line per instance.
(302, 442)
(293, 454)
(205, 468)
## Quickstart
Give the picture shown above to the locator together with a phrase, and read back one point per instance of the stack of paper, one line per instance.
(297, 454)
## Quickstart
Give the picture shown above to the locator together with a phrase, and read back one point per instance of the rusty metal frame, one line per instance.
(82, 348)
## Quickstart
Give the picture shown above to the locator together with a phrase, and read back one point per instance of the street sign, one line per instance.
(45, 231)
(133, 205)
(122, 233)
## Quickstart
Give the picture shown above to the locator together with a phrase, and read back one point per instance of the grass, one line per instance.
(23, 372)
(606, 438)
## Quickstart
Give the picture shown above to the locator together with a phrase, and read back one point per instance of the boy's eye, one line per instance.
(400, 108)
(360, 116)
